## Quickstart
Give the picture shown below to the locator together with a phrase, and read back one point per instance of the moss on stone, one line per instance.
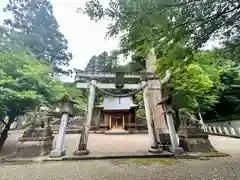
(145, 161)
(213, 154)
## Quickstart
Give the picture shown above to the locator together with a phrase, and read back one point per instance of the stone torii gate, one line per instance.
(93, 84)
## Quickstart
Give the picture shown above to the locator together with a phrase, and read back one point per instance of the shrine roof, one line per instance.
(115, 103)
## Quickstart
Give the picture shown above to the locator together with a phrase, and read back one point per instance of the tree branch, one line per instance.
(166, 78)
(3, 122)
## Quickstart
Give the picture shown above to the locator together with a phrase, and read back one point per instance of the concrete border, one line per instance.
(224, 135)
(106, 157)
(102, 157)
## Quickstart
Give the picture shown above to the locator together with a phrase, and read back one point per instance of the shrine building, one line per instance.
(118, 115)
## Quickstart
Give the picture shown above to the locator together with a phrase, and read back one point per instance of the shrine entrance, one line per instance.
(117, 108)
(113, 120)
(116, 121)
(118, 113)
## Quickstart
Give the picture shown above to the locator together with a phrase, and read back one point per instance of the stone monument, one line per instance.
(36, 140)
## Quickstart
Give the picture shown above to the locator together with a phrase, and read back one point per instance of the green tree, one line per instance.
(229, 98)
(163, 23)
(177, 29)
(10, 40)
(137, 63)
(91, 65)
(79, 96)
(39, 31)
(103, 62)
(196, 83)
(25, 84)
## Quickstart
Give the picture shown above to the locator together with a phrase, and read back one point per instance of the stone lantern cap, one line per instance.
(67, 103)
(67, 98)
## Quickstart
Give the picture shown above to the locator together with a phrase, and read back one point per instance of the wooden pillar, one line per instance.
(157, 111)
(82, 148)
(151, 130)
(123, 119)
(110, 122)
(105, 121)
(129, 118)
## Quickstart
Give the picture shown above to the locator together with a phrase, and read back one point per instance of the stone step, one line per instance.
(116, 132)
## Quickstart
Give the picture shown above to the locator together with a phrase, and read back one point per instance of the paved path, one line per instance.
(226, 145)
(215, 169)
(110, 144)
(100, 144)
(139, 143)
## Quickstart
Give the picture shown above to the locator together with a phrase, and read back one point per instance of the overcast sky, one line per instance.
(86, 38)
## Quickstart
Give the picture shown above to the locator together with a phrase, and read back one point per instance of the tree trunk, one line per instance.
(4, 134)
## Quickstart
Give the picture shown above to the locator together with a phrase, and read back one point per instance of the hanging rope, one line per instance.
(120, 95)
(116, 117)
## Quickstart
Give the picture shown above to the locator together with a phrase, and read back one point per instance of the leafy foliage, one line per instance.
(26, 83)
(164, 23)
(79, 96)
(229, 98)
(102, 63)
(201, 80)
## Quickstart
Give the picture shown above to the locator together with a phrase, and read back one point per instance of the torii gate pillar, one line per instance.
(154, 97)
(82, 147)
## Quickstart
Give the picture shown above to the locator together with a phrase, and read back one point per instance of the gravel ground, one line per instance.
(216, 169)
(100, 144)
(227, 168)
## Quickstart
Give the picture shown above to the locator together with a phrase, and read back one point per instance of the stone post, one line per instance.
(173, 135)
(165, 103)
(66, 111)
(225, 130)
(215, 130)
(82, 147)
(210, 129)
(219, 130)
(201, 123)
(151, 130)
(232, 130)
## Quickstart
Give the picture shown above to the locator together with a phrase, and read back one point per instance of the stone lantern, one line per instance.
(66, 110)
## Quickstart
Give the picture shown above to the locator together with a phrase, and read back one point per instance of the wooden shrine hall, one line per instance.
(118, 115)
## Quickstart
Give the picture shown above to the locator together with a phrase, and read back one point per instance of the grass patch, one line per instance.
(145, 161)
(213, 154)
